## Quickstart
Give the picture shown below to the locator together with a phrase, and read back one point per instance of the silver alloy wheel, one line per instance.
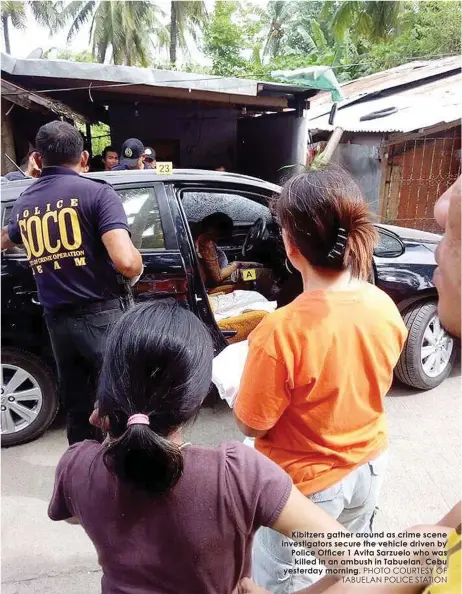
(436, 348)
(21, 399)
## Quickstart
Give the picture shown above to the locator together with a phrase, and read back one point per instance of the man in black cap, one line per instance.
(76, 237)
(132, 156)
(149, 158)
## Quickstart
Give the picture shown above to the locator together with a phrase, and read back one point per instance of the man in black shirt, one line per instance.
(76, 237)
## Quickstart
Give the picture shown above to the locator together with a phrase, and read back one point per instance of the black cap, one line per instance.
(132, 150)
(149, 153)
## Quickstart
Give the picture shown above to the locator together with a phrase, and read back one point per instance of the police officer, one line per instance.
(76, 237)
(132, 155)
(149, 158)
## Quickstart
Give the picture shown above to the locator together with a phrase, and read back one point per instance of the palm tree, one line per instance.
(368, 19)
(123, 27)
(44, 13)
(14, 11)
(282, 15)
(186, 16)
(291, 21)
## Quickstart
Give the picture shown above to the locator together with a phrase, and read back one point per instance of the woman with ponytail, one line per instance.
(166, 516)
(318, 369)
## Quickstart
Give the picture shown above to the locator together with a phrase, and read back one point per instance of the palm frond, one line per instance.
(79, 13)
(317, 34)
(46, 13)
(344, 17)
(191, 15)
(307, 39)
(16, 12)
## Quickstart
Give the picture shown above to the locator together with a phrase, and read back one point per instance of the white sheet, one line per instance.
(238, 302)
(227, 370)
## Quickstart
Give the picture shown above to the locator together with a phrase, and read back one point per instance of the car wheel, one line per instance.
(29, 401)
(429, 352)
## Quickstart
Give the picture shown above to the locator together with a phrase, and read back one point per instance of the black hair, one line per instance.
(59, 143)
(108, 149)
(96, 164)
(25, 162)
(158, 362)
(218, 221)
(325, 215)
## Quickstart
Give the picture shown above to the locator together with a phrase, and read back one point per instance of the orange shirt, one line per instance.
(315, 378)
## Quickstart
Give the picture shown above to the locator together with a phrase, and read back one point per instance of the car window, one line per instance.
(389, 245)
(6, 215)
(243, 210)
(143, 215)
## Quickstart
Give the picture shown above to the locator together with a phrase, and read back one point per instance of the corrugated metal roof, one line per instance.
(388, 79)
(132, 75)
(422, 106)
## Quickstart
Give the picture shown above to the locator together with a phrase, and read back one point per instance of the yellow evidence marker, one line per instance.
(249, 274)
(164, 167)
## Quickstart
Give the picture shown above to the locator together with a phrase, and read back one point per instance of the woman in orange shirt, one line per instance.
(318, 369)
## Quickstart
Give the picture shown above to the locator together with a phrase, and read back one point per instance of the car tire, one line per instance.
(44, 379)
(410, 369)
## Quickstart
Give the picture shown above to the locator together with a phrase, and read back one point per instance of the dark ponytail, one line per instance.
(158, 363)
(145, 459)
(326, 217)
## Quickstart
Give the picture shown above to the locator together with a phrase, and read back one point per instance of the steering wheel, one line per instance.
(255, 236)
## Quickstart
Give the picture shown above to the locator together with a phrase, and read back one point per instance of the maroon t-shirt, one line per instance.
(197, 539)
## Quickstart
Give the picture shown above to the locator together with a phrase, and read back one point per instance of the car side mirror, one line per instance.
(390, 244)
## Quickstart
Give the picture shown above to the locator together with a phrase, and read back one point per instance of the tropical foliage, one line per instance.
(119, 31)
(239, 38)
(186, 17)
(15, 12)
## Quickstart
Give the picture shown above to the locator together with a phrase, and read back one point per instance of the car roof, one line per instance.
(11, 189)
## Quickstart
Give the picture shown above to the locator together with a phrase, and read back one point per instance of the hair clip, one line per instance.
(338, 251)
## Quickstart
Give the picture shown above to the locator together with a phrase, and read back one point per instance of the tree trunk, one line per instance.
(6, 33)
(173, 31)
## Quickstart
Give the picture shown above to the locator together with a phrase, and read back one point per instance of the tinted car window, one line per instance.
(142, 210)
(389, 245)
(241, 209)
(143, 215)
(6, 215)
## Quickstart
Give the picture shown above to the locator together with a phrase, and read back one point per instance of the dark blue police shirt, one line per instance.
(60, 220)
(126, 167)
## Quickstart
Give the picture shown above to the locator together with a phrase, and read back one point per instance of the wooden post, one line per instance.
(332, 144)
(7, 143)
(88, 131)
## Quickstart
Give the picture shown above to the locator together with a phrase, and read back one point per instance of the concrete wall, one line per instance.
(360, 157)
(200, 137)
(270, 142)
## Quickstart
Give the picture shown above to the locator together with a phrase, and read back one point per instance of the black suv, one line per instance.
(162, 212)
